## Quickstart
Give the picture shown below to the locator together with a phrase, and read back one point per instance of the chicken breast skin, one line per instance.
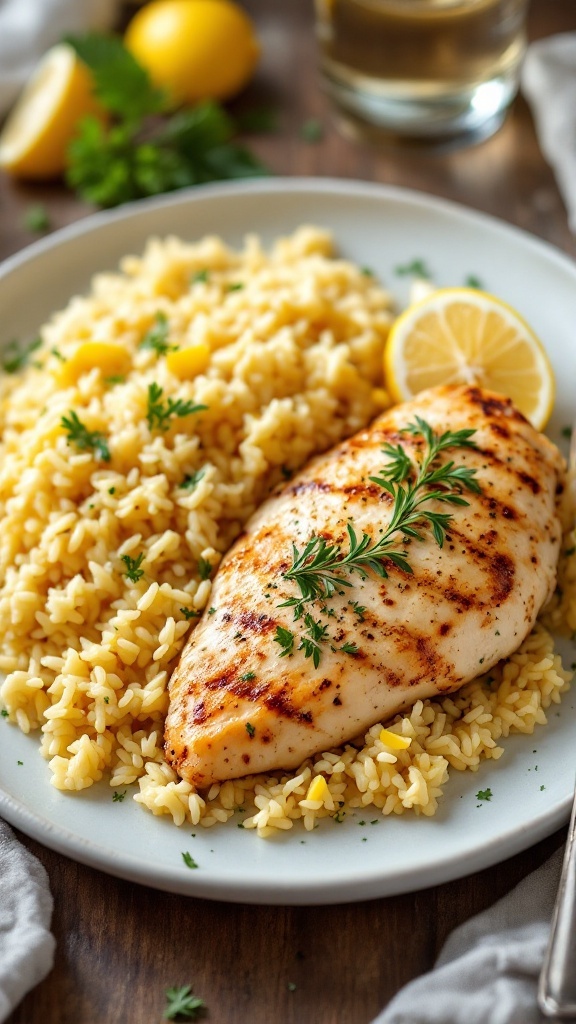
(238, 706)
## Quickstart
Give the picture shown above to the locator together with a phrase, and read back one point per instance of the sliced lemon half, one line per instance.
(35, 137)
(466, 336)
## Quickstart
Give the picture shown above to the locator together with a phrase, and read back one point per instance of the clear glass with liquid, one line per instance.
(422, 69)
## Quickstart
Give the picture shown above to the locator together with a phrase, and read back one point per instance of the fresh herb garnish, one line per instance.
(286, 640)
(349, 648)
(181, 1002)
(312, 130)
(190, 613)
(236, 286)
(248, 676)
(416, 268)
(359, 609)
(118, 797)
(137, 153)
(318, 568)
(157, 337)
(84, 439)
(15, 358)
(133, 570)
(191, 480)
(200, 276)
(160, 412)
(473, 282)
(204, 568)
(250, 729)
(36, 218)
(189, 860)
(4, 713)
(317, 633)
(116, 378)
(566, 432)
(484, 794)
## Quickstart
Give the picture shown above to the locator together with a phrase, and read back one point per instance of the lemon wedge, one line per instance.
(35, 137)
(466, 336)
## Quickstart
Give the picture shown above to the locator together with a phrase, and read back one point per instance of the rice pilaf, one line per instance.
(105, 563)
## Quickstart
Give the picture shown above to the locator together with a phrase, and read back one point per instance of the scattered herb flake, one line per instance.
(286, 640)
(204, 568)
(159, 412)
(250, 729)
(15, 357)
(157, 337)
(133, 570)
(473, 282)
(248, 676)
(349, 648)
(106, 700)
(484, 794)
(236, 286)
(36, 218)
(566, 432)
(212, 610)
(367, 271)
(312, 130)
(84, 439)
(191, 480)
(200, 276)
(190, 613)
(416, 268)
(117, 798)
(20, 762)
(189, 860)
(291, 986)
(181, 1002)
(116, 378)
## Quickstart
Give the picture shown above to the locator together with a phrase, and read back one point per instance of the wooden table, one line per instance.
(120, 944)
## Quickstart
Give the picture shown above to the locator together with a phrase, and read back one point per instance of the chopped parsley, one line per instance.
(190, 613)
(84, 439)
(4, 713)
(250, 729)
(200, 276)
(204, 568)
(118, 797)
(157, 337)
(416, 268)
(212, 610)
(160, 412)
(236, 286)
(15, 357)
(189, 860)
(36, 218)
(181, 1002)
(106, 700)
(349, 648)
(248, 676)
(484, 794)
(191, 480)
(473, 282)
(312, 130)
(133, 570)
(286, 640)
(116, 378)
(566, 432)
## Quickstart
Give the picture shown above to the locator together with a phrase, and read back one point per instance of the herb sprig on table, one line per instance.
(141, 150)
(322, 568)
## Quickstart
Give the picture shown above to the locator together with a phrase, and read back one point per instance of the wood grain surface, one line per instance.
(120, 945)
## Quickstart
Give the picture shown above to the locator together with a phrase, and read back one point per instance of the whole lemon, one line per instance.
(195, 49)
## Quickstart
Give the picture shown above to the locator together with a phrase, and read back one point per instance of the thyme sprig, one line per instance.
(319, 568)
(159, 412)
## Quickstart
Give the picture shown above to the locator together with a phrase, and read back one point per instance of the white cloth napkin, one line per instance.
(549, 84)
(487, 972)
(30, 27)
(26, 945)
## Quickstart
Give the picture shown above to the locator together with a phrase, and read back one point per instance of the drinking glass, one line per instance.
(422, 69)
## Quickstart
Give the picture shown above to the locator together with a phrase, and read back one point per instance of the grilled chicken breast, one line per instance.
(239, 705)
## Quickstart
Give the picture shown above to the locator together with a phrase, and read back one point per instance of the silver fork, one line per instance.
(557, 985)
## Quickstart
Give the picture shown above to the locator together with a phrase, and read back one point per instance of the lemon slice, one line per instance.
(465, 336)
(35, 137)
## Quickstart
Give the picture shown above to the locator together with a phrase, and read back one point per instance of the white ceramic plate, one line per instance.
(381, 228)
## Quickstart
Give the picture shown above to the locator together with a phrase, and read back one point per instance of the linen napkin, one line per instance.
(548, 82)
(30, 27)
(487, 972)
(26, 945)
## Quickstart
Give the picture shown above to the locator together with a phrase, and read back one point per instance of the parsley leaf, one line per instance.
(204, 568)
(191, 480)
(36, 218)
(189, 860)
(286, 640)
(15, 358)
(133, 570)
(84, 439)
(118, 797)
(190, 613)
(250, 729)
(157, 337)
(137, 154)
(160, 412)
(181, 1002)
(416, 268)
(122, 85)
(484, 794)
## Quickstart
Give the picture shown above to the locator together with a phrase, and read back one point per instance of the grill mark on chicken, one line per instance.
(493, 405)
